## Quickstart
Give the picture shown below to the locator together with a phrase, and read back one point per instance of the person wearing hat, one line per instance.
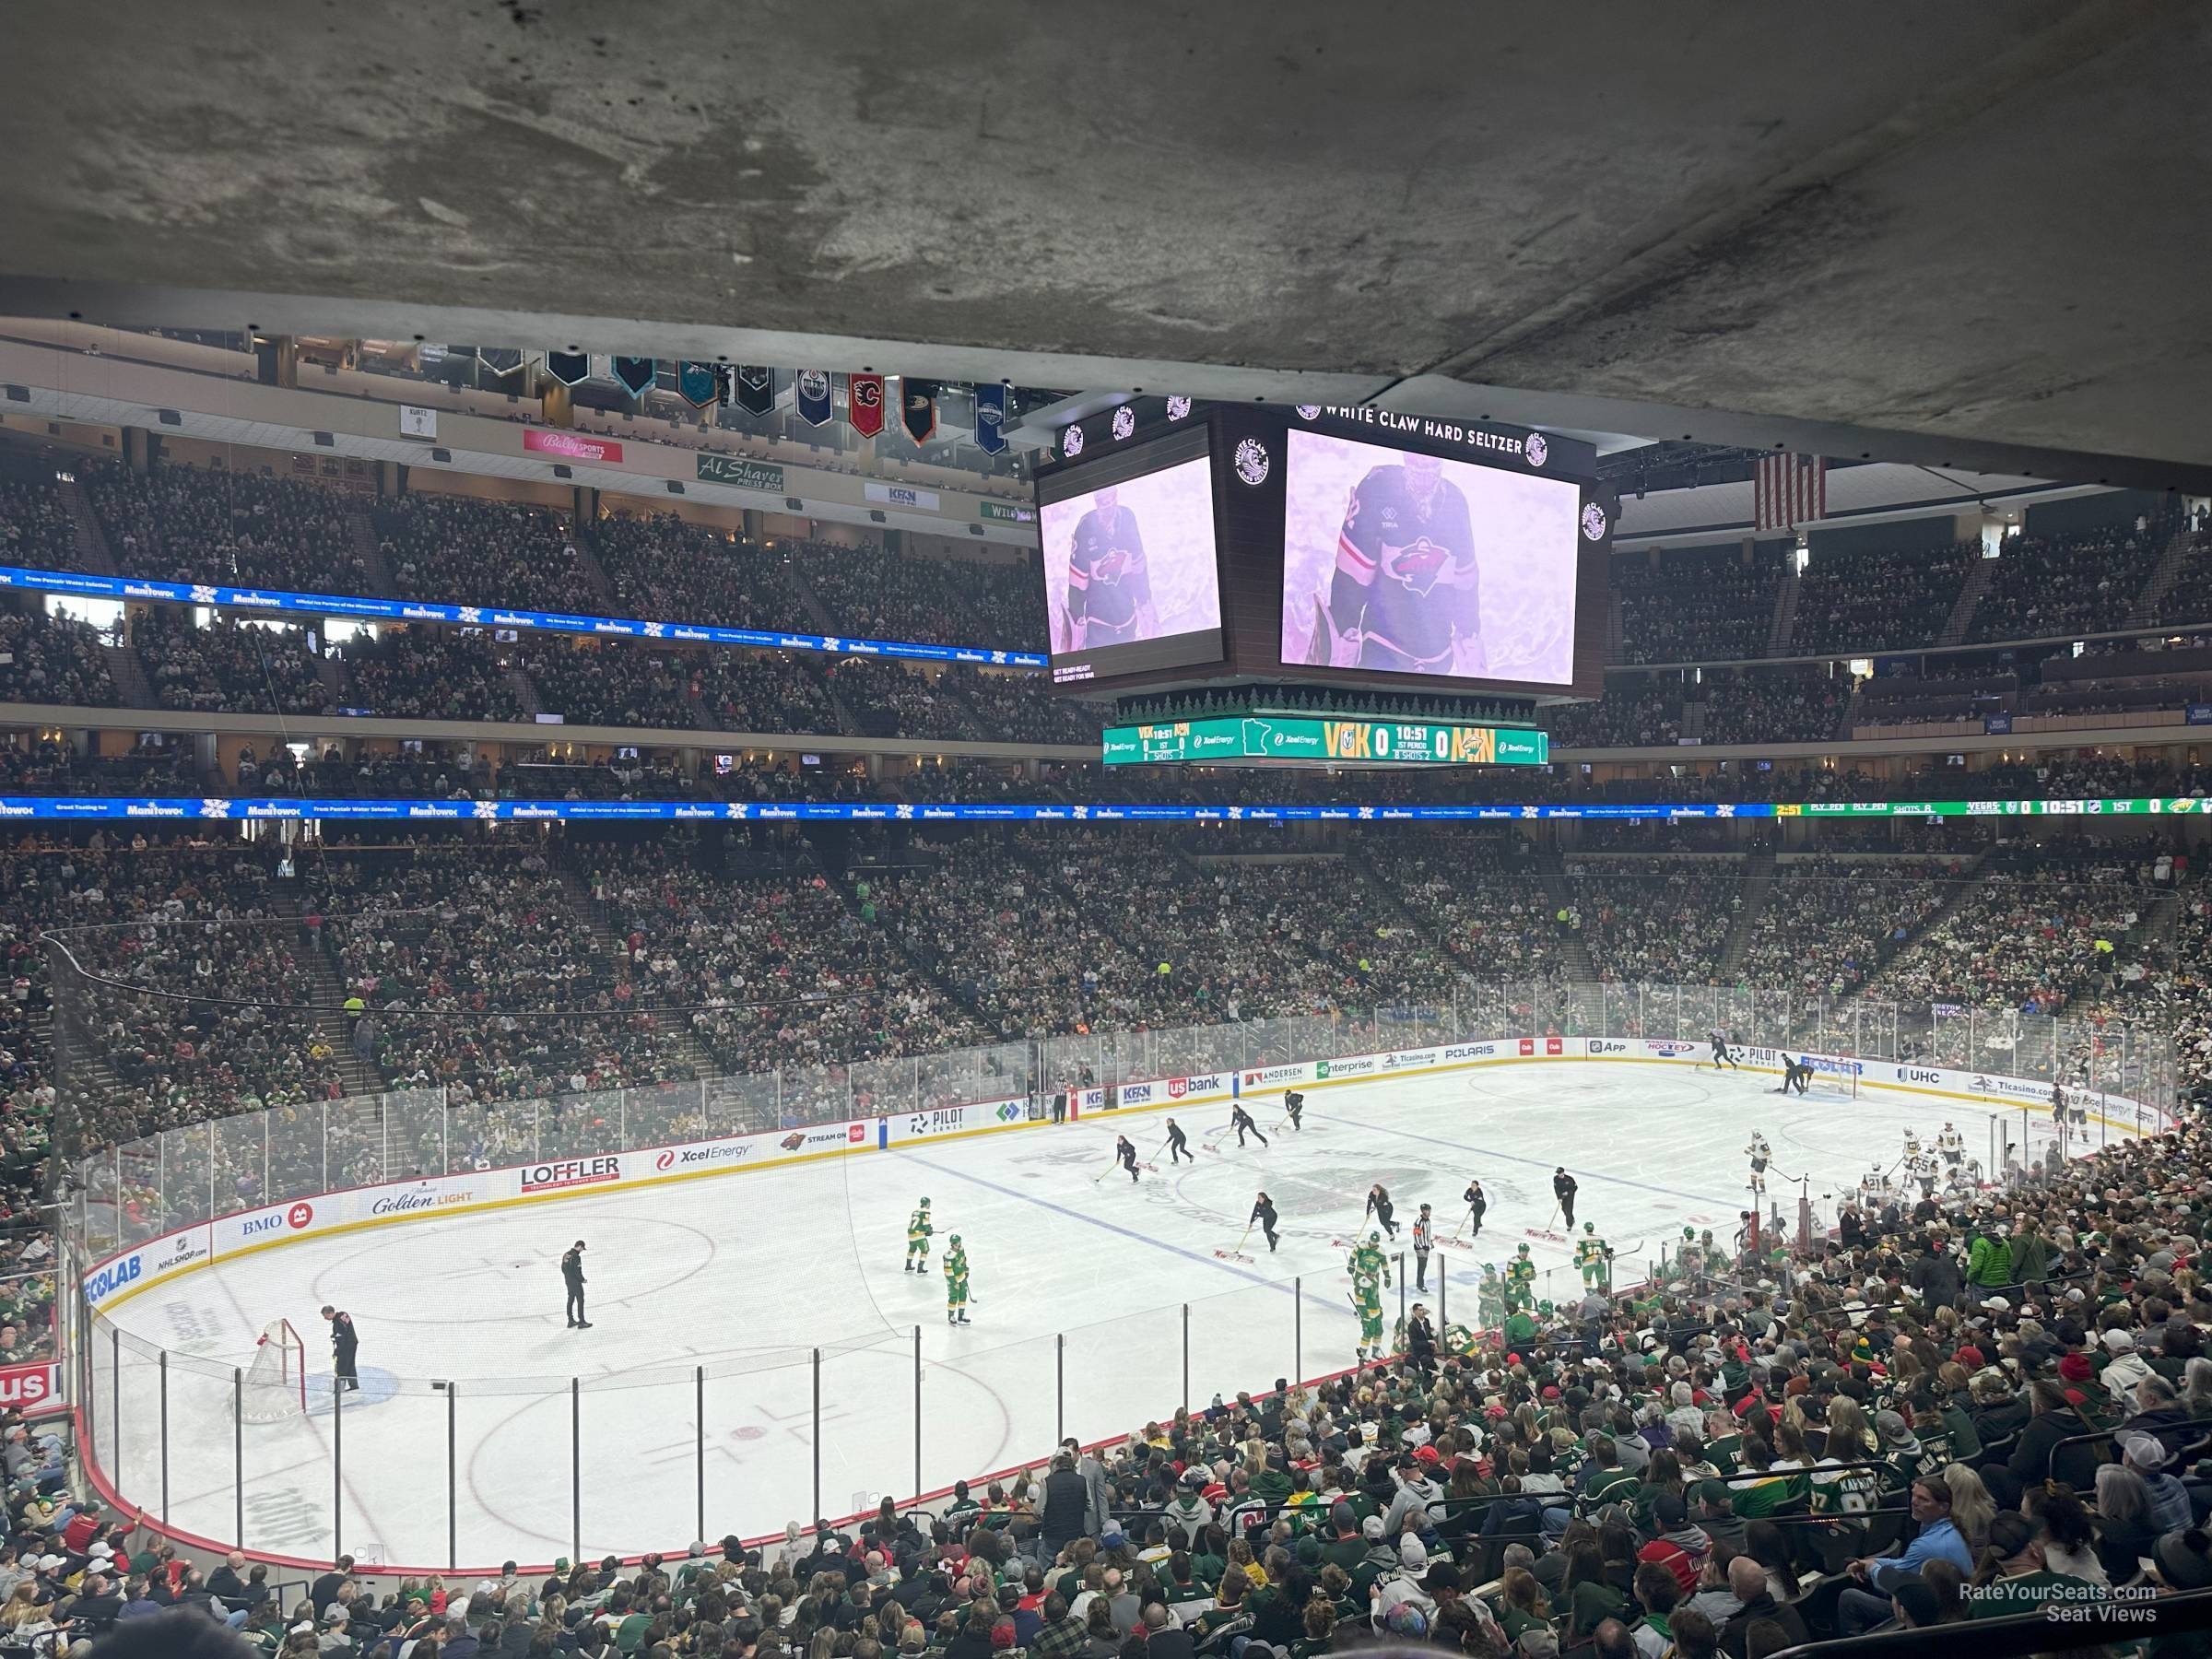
(571, 1273)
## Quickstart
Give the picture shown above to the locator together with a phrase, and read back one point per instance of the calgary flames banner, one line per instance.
(865, 403)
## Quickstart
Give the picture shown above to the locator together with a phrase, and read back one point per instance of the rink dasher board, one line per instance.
(116, 1279)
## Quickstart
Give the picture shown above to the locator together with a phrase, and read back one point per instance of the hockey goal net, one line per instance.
(275, 1386)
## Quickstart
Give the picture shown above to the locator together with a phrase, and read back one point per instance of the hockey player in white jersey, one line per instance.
(1760, 1153)
(1920, 1168)
(1875, 1188)
(1950, 1145)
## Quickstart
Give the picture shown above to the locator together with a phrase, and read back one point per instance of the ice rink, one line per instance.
(710, 1298)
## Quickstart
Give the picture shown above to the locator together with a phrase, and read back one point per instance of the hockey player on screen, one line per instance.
(1241, 1120)
(1109, 582)
(918, 1230)
(1380, 1207)
(1407, 593)
(956, 1281)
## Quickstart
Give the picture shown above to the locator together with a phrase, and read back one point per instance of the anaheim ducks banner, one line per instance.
(918, 407)
(810, 392)
(863, 396)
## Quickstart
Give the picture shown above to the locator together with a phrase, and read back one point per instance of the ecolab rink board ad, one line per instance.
(399, 1201)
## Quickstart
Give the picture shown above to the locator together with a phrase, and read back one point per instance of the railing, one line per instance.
(473, 1456)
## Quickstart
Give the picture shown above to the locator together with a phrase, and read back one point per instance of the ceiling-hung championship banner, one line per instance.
(865, 403)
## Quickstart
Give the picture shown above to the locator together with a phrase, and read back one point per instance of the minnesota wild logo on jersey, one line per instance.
(1519, 1280)
(956, 1281)
(1489, 1297)
(1591, 1255)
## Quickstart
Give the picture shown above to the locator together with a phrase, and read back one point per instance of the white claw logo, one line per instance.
(1534, 449)
(1308, 411)
(1071, 442)
(1124, 422)
(1179, 408)
(1593, 523)
(1252, 461)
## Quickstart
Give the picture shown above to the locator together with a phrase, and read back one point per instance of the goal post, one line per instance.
(274, 1389)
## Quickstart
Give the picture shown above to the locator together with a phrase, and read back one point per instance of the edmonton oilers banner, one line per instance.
(265, 601)
(918, 407)
(863, 403)
(810, 391)
(991, 418)
(756, 388)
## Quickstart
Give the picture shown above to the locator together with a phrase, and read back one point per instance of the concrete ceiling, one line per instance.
(1962, 234)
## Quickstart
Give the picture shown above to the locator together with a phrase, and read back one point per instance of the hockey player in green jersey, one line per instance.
(1489, 1297)
(955, 1282)
(1592, 1254)
(1520, 1281)
(1690, 1260)
(1370, 1269)
(918, 1228)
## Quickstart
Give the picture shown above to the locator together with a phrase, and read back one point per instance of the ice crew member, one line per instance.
(1262, 1215)
(1562, 1188)
(1476, 1203)
(1125, 1154)
(1179, 1144)
(571, 1271)
(345, 1349)
(1379, 1206)
(1241, 1120)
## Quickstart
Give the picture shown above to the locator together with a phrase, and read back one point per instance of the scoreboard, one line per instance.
(1304, 741)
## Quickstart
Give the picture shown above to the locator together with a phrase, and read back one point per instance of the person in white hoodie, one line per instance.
(2126, 1368)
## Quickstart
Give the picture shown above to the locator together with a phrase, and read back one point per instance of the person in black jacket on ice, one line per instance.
(572, 1271)
(1476, 1203)
(1241, 1120)
(1179, 1144)
(1262, 1213)
(344, 1350)
(1379, 1206)
(1562, 1188)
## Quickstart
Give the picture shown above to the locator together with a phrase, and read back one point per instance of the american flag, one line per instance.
(1788, 490)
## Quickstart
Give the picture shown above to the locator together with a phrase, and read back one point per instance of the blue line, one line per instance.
(1538, 1163)
(1129, 1232)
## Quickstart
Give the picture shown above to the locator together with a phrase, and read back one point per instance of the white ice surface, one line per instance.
(744, 1276)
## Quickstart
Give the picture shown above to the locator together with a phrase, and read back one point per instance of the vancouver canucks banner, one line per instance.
(756, 388)
(863, 403)
(569, 368)
(635, 373)
(991, 418)
(918, 407)
(697, 383)
(810, 391)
